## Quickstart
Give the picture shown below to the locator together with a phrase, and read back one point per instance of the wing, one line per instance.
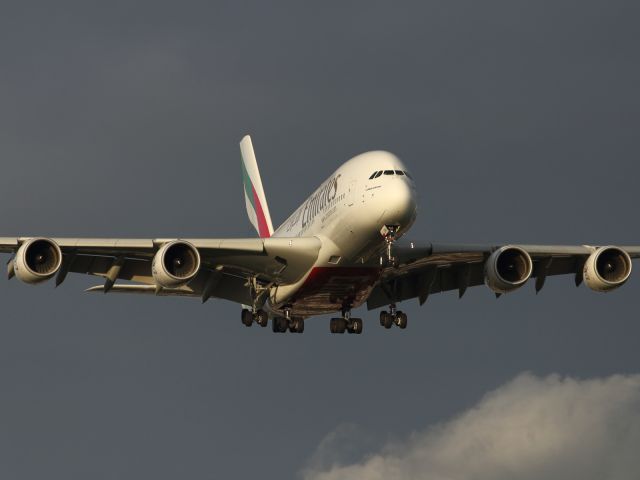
(227, 265)
(433, 268)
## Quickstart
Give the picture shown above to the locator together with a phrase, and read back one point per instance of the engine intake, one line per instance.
(175, 264)
(607, 268)
(37, 260)
(507, 269)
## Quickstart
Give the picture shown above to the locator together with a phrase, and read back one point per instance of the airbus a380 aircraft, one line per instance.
(335, 252)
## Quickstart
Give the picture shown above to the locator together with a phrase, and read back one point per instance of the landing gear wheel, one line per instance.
(337, 325)
(296, 325)
(401, 320)
(246, 317)
(279, 324)
(284, 324)
(333, 326)
(261, 318)
(299, 322)
(356, 326)
(386, 319)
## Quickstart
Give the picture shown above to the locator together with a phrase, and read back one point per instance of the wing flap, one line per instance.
(144, 290)
(228, 287)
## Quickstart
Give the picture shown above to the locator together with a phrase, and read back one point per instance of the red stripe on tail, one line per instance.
(263, 228)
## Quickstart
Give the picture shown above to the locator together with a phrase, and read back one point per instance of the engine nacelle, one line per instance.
(607, 268)
(37, 260)
(175, 264)
(507, 269)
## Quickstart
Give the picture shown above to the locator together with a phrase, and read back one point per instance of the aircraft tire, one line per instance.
(298, 325)
(333, 325)
(356, 326)
(262, 318)
(401, 320)
(342, 325)
(338, 325)
(284, 324)
(279, 325)
(246, 317)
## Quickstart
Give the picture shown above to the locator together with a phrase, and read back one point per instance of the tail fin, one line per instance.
(257, 208)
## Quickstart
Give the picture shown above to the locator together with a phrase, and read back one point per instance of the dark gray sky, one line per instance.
(519, 120)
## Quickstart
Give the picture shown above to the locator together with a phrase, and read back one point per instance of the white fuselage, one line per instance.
(347, 213)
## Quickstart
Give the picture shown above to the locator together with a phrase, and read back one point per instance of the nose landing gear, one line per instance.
(389, 232)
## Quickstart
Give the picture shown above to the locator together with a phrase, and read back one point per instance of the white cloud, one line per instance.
(530, 428)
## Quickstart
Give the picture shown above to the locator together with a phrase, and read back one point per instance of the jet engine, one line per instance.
(507, 269)
(175, 264)
(607, 268)
(37, 260)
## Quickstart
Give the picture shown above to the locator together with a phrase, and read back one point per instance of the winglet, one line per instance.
(255, 199)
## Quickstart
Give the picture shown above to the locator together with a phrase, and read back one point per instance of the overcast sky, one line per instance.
(519, 120)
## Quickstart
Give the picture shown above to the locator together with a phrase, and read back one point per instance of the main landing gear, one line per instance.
(393, 316)
(288, 322)
(259, 316)
(346, 323)
(279, 324)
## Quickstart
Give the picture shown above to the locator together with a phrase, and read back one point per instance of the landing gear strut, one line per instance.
(346, 323)
(255, 313)
(393, 316)
(389, 233)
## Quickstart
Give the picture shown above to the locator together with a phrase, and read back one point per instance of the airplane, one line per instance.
(336, 251)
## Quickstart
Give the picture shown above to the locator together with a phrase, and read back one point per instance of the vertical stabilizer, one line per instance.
(257, 208)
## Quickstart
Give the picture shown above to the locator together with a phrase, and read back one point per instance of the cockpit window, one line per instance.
(389, 172)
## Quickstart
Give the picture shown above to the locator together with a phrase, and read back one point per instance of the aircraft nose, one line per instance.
(401, 204)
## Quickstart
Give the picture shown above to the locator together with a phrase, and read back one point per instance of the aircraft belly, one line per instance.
(328, 289)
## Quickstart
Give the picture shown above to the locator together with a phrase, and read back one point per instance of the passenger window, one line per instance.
(388, 172)
(399, 172)
(378, 174)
